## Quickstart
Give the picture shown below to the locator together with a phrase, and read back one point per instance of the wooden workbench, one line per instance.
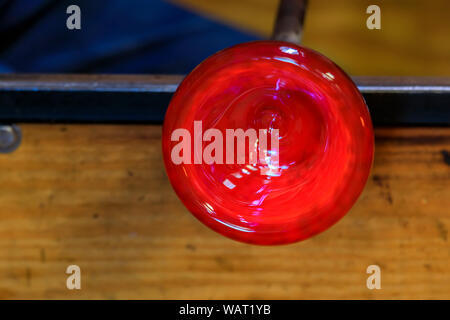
(98, 197)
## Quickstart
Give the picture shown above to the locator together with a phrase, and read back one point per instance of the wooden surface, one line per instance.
(413, 39)
(98, 197)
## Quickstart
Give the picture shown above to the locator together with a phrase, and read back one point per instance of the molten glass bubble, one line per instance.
(291, 149)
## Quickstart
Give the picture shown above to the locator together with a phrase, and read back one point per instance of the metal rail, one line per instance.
(132, 99)
(289, 21)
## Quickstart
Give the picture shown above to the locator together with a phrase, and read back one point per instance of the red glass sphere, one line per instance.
(312, 153)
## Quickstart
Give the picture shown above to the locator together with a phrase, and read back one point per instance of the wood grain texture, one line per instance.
(98, 197)
(413, 40)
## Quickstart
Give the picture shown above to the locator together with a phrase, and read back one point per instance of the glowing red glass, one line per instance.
(325, 142)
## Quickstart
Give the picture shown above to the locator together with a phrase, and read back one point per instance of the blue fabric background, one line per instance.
(117, 36)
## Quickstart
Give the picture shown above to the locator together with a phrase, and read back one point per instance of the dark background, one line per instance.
(161, 36)
(117, 36)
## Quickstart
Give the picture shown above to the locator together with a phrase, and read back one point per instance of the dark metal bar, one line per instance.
(132, 99)
(289, 21)
(89, 82)
(402, 84)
